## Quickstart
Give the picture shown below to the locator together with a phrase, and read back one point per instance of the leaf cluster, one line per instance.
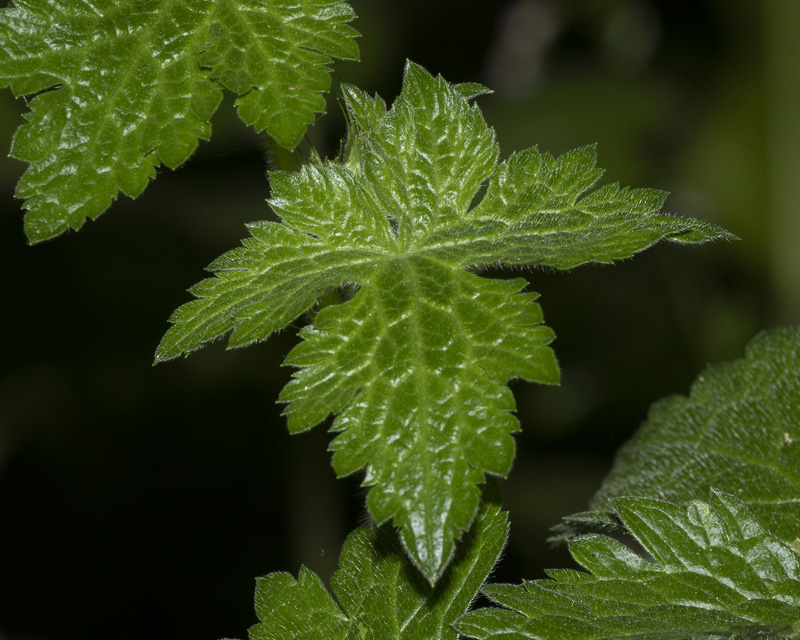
(709, 569)
(414, 359)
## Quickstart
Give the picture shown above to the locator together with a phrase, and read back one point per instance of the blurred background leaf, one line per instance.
(135, 500)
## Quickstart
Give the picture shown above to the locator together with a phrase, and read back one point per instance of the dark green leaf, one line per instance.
(738, 430)
(717, 573)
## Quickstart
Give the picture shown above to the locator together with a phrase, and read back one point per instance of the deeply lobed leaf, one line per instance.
(378, 595)
(717, 573)
(125, 85)
(738, 429)
(414, 364)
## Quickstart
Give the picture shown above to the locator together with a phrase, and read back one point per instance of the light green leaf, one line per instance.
(125, 85)
(379, 596)
(414, 362)
(716, 573)
(738, 430)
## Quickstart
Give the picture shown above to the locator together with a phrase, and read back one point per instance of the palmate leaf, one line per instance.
(381, 597)
(125, 85)
(717, 573)
(739, 429)
(414, 365)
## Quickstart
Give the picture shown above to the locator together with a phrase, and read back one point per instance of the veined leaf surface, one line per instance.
(738, 430)
(125, 85)
(415, 364)
(717, 573)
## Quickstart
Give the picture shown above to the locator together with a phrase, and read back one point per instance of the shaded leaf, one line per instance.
(738, 430)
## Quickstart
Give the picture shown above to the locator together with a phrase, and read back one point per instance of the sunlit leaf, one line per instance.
(414, 362)
(122, 86)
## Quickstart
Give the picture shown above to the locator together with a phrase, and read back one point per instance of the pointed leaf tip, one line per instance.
(378, 593)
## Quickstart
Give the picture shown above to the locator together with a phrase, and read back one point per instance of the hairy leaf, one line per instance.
(738, 430)
(125, 85)
(414, 363)
(716, 573)
(379, 596)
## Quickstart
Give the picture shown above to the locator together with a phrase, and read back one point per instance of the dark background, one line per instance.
(139, 501)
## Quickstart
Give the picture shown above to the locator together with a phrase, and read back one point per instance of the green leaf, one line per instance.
(716, 573)
(124, 86)
(738, 430)
(414, 363)
(381, 597)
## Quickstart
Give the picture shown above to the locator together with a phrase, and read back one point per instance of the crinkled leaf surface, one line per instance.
(717, 573)
(414, 364)
(379, 595)
(738, 430)
(124, 85)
